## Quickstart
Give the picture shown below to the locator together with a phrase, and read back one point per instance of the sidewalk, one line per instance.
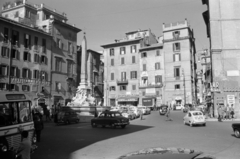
(227, 120)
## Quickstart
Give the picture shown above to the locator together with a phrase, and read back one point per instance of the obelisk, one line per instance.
(83, 76)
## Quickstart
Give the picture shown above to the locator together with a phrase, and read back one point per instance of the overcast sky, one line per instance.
(107, 20)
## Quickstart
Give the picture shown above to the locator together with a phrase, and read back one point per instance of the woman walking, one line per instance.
(168, 113)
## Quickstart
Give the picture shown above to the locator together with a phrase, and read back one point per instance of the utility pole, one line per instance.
(184, 86)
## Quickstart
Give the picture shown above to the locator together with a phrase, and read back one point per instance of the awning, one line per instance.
(127, 99)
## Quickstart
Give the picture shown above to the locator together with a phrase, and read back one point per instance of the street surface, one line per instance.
(81, 141)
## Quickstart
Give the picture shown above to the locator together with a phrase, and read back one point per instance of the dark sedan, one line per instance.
(110, 118)
(236, 129)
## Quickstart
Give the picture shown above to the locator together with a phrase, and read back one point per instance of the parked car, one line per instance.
(236, 129)
(135, 110)
(179, 107)
(144, 110)
(134, 116)
(194, 118)
(110, 118)
(67, 117)
(127, 115)
(163, 109)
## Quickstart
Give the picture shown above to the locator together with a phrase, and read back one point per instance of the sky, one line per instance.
(107, 20)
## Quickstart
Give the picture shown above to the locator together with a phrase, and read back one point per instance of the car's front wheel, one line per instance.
(237, 133)
(94, 125)
(123, 126)
(184, 122)
(113, 126)
(191, 124)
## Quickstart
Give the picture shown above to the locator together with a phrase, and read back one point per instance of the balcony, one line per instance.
(150, 85)
(122, 82)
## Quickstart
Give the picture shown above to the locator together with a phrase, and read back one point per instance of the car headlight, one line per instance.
(34, 139)
(4, 148)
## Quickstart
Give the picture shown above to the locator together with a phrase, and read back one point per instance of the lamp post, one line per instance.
(184, 86)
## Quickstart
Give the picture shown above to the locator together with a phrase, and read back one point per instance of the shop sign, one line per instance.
(128, 100)
(231, 99)
(28, 81)
(147, 101)
(150, 91)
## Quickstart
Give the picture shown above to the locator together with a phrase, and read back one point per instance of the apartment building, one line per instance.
(151, 62)
(179, 59)
(63, 45)
(25, 60)
(121, 67)
(222, 26)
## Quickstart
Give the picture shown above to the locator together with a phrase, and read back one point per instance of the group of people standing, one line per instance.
(225, 112)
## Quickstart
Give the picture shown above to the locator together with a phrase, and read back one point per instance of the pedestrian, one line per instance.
(227, 112)
(38, 125)
(220, 113)
(24, 148)
(48, 115)
(141, 115)
(168, 113)
(231, 111)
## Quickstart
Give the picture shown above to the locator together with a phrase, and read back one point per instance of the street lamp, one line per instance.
(184, 87)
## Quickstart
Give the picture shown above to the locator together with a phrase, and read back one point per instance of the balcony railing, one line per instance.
(122, 82)
(151, 85)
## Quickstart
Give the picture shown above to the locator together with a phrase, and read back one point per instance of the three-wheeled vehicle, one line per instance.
(163, 109)
(67, 117)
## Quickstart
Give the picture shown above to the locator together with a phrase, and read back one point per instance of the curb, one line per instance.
(228, 120)
(171, 150)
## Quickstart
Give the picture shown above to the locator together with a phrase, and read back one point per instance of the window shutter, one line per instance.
(173, 57)
(23, 73)
(179, 57)
(29, 57)
(29, 74)
(174, 72)
(17, 72)
(46, 60)
(173, 47)
(29, 41)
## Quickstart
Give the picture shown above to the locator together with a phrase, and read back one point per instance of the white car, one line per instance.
(194, 118)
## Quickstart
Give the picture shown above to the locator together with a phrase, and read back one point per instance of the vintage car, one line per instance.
(67, 117)
(163, 109)
(135, 110)
(110, 118)
(236, 129)
(194, 118)
(145, 110)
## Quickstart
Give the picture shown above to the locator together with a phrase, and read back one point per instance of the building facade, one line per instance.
(151, 75)
(121, 68)
(25, 61)
(222, 23)
(63, 45)
(179, 55)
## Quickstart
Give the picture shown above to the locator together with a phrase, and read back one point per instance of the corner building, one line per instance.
(222, 24)
(121, 68)
(179, 52)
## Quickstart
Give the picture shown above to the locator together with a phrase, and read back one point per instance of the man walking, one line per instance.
(168, 113)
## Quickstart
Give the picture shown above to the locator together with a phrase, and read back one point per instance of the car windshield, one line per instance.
(197, 113)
